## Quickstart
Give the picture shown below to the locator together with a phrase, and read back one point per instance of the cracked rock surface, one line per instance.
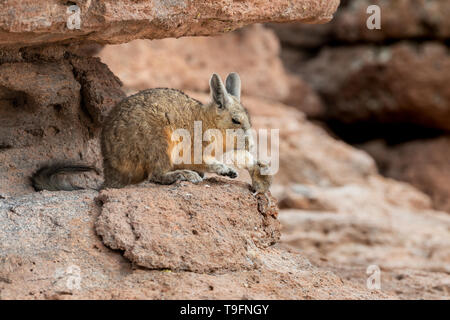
(212, 226)
(50, 249)
(110, 21)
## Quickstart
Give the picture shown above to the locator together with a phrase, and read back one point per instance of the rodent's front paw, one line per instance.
(232, 174)
(229, 172)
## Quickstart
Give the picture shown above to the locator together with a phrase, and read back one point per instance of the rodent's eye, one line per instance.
(235, 121)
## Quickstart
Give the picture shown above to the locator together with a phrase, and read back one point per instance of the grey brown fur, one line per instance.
(136, 137)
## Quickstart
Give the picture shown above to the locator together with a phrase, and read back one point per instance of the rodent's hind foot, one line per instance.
(178, 175)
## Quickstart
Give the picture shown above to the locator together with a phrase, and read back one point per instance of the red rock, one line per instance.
(189, 62)
(184, 229)
(422, 163)
(50, 110)
(365, 75)
(108, 21)
(50, 249)
(397, 84)
(406, 19)
(400, 20)
(100, 88)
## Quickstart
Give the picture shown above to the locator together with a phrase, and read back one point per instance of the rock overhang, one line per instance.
(39, 22)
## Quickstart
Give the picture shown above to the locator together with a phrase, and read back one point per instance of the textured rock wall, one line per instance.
(52, 104)
(395, 74)
(211, 222)
(423, 163)
(388, 84)
(210, 240)
(253, 51)
(35, 22)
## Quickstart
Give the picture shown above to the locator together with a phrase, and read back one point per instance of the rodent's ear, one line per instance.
(218, 91)
(233, 85)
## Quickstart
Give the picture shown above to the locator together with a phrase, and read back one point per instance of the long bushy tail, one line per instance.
(48, 177)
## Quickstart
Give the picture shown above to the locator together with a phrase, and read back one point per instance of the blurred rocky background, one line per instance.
(364, 175)
(385, 90)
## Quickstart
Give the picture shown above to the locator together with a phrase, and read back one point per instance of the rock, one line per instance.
(51, 107)
(383, 224)
(390, 236)
(400, 20)
(375, 76)
(423, 163)
(50, 250)
(189, 62)
(304, 36)
(252, 51)
(406, 19)
(107, 21)
(402, 83)
(101, 89)
(340, 192)
(193, 241)
(304, 98)
(404, 283)
(184, 230)
(349, 216)
(37, 84)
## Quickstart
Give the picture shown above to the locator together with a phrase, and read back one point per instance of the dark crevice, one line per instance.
(5, 146)
(309, 53)
(78, 75)
(391, 133)
(57, 107)
(17, 99)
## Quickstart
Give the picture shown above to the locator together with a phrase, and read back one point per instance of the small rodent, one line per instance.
(136, 140)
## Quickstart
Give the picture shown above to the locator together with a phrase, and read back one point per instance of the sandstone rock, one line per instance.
(366, 75)
(100, 88)
(38, 84)
(355, 226)
(106, 21)
(382, 222)
(392, 238)
(346, 212)
(50, 251)
(184, 229)
(50, 109)
(188, 63)
(405, 283)
(304, 36)
(423, 163)
(402, 83)
(400, 20)
(405, 19)
(199, 241)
